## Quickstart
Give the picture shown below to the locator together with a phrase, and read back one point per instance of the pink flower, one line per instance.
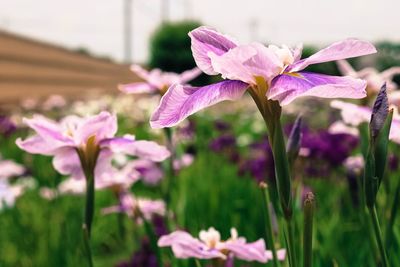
(9, 168)
(92, 138)
(374, 78)
(354, 115)
(157, 80)
(137, 208)
(272, 72)
(9, 193)
(210, 246)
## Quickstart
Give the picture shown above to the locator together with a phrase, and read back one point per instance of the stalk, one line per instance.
(271, 112)
(308, 229)
(268, 225)
(378, 235)
(392, 219)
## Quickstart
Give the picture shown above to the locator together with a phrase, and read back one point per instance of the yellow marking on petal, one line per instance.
(294, 74)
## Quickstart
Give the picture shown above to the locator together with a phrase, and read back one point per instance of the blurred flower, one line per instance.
(7, 126)
(90, 139)
(259, 162)
(210, 246)
(355, 115)
(246, 66)
(157, 80)
(330, 150)
(9, 168)
(354, 164)
(374, 78)
(339, 127)
(137, 208)
(54, 102)
(9, 193)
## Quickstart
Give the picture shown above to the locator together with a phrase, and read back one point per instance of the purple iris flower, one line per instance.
(276, 73)
(7, 127)
(93, 137)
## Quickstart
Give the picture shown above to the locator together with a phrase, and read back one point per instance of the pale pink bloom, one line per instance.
(339, 127)
(9, 193)
(157, 80)
(48, 193)
(9, 168)
(149, 172)
(354, 163)
(354, 115)
(64, 139)
(374, 78)
(54, 102)
(184, 161)
(120, 179)
(137, 208)
(72, 186)
(244, 67)
(210, 246)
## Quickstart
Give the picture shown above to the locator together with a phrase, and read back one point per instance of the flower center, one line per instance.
(284, 54)
(211, 237)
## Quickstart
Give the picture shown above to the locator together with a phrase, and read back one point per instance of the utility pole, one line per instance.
(164, 10)
(127, 31)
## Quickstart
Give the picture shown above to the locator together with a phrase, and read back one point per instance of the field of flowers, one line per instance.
(297, 168)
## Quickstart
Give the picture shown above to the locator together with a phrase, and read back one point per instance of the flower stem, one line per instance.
(153, 241)
(378, 235)
(308, 229)
(290, 243)
(268, 225)
(87, 245)
(393, 214)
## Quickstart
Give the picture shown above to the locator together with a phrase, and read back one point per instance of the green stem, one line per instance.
(290, 243)
(308, 229)
(87, 245)
(198, 264)
(89, 205)
(393, 214)
(378, 235)
(153, 241)
(268, 225)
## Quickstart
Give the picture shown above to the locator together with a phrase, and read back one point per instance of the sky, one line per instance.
(97, 25)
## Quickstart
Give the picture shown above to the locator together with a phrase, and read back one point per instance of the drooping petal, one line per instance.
(189, 75)
(66, 161)
(143, 149)
(136, 88)
(139, 71)
(287, 87)
(48, 130)
(103, 125)
(348, 48)
(38, 145)
(205, 40)
(148, 150)
(246, 62)
(248, 251)
(182, 101)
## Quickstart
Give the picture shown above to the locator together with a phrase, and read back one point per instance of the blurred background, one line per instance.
(72, 45)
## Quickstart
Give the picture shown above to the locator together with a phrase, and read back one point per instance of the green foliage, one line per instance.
(170, 47)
